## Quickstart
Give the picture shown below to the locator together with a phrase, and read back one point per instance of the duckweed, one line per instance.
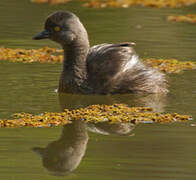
(145, 3)
(170, 65)
(52, 55)
(191, 18)
(43, 55)
(125, 3)
(117, 113)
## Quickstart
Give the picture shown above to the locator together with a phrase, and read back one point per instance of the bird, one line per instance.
(101, 69)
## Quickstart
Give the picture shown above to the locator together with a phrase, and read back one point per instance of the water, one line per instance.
(151, 151)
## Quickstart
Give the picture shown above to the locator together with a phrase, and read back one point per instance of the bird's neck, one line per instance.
(74, 132)
(74, 65)
(75, 56)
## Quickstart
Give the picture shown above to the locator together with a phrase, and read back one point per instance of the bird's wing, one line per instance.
(106, 62)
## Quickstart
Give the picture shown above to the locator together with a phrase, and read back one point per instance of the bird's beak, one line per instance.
(43, 35)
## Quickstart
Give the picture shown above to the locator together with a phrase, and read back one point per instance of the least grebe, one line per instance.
(101, 69)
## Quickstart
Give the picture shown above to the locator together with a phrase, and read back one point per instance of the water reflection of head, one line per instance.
(61, 157)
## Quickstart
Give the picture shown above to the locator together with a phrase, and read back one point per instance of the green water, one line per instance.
(153, 151)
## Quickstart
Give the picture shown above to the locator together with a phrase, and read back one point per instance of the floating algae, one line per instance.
(117, 113)
(42, 55)
(125, 3)
(53, 55)
(170, 65)
(145, 3)
(190, 18)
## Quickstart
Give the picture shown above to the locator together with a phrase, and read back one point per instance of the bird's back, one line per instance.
(115, 68)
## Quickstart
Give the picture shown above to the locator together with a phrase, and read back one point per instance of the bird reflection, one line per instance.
(64, 155)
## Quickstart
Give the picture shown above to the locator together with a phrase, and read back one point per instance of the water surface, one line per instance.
(153, 151)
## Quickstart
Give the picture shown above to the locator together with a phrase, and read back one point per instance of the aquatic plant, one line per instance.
(42, 55)
(170, 65)
(117, 113)
(191, 18)
(148, 3)
(125, 3)
(52, 55)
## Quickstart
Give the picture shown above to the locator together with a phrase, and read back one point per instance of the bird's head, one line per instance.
(62, 27)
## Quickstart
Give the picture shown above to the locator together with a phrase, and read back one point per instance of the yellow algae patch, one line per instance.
(170, 65)
(146, 3)
(42, 120)
(125, 3)
(117, 113)
(42, 55)
(191, 18)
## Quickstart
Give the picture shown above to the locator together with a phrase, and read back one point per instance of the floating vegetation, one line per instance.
(170, 65)
(117, 113)
(52, 55)
(125, 3)
(191, 18)
(43, 55)
(148, 3)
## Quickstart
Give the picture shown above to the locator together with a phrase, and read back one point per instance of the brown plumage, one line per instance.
(101, 69)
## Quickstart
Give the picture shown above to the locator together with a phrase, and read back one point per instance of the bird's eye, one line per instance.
(57, 28)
